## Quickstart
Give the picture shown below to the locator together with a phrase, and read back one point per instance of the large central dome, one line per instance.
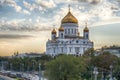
(69, 18)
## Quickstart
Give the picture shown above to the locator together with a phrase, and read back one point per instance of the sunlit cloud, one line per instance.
(26, 12)
(46, 3)
(29, 6)
(22, 25)
(50, 12)
(14, 36)
(113, 20)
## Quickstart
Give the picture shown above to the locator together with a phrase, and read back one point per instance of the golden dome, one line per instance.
(69, 18)
(86, 29)
(61, 29)
(54, 31)
(78, 33)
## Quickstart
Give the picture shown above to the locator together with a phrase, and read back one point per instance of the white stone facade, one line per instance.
(68, 40)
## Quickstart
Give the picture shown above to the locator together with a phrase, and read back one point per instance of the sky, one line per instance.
(25, 25)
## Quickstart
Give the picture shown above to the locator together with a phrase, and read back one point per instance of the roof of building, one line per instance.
(61, 28)
(86, 28)
(69, 18)
(54, 31)
(73, 37)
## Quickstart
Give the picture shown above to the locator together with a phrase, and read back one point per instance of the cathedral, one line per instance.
(68, 40)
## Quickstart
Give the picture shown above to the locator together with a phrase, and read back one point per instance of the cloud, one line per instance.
(11, 3)
(17, 8)
(96, 11)
(46, 3)
(14, 36)
(22, 25)
(95, 1)
(52, 11)
(113, 20)
(31, 7)
(26, 12)
(7, 2)
(79, 1)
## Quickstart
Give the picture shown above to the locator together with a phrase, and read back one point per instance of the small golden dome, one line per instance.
(61, 29)
(78, 33)
(69, 18)
(54, 31)
(86, 29)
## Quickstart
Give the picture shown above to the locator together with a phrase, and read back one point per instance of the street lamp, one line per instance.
(39, 67)
(11, 66)
(28, 68)
(111, 77)
(95, 72)
(33, 65)
(102, 76)
(20, 67)
(2, 68)
(23, 67)
(40, 71)
(91, 72)
(43, 75)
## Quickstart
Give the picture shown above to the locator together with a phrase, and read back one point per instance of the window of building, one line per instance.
(61, 35)
(65, 31)
(75, 31)
(119, 51)
(54, 50)
(62, 49)
(83, 42)
(54, 36)
(72, 31)
(77, 41)
(86, 35)
(68, 31)
(77, 50)
(70, 48)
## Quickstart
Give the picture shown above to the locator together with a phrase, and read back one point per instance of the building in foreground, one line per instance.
(68, 40)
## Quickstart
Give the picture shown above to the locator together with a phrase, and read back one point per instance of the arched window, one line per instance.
(75, 31)
(72, 31)
(65, 31)
(54, 36)
(62, 49)
(68, 31)
(61, 35)
(87, 36)
(70, 48)
(54, 50)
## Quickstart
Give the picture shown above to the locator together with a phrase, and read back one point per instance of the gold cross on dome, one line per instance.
(69, 7)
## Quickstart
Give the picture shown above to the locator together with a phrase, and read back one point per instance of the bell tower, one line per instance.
(86, 32)
(53, 34)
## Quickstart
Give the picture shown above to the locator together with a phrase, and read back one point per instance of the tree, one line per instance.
(103, 62)
(65, 67)
(89, 52)
(117, 70)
